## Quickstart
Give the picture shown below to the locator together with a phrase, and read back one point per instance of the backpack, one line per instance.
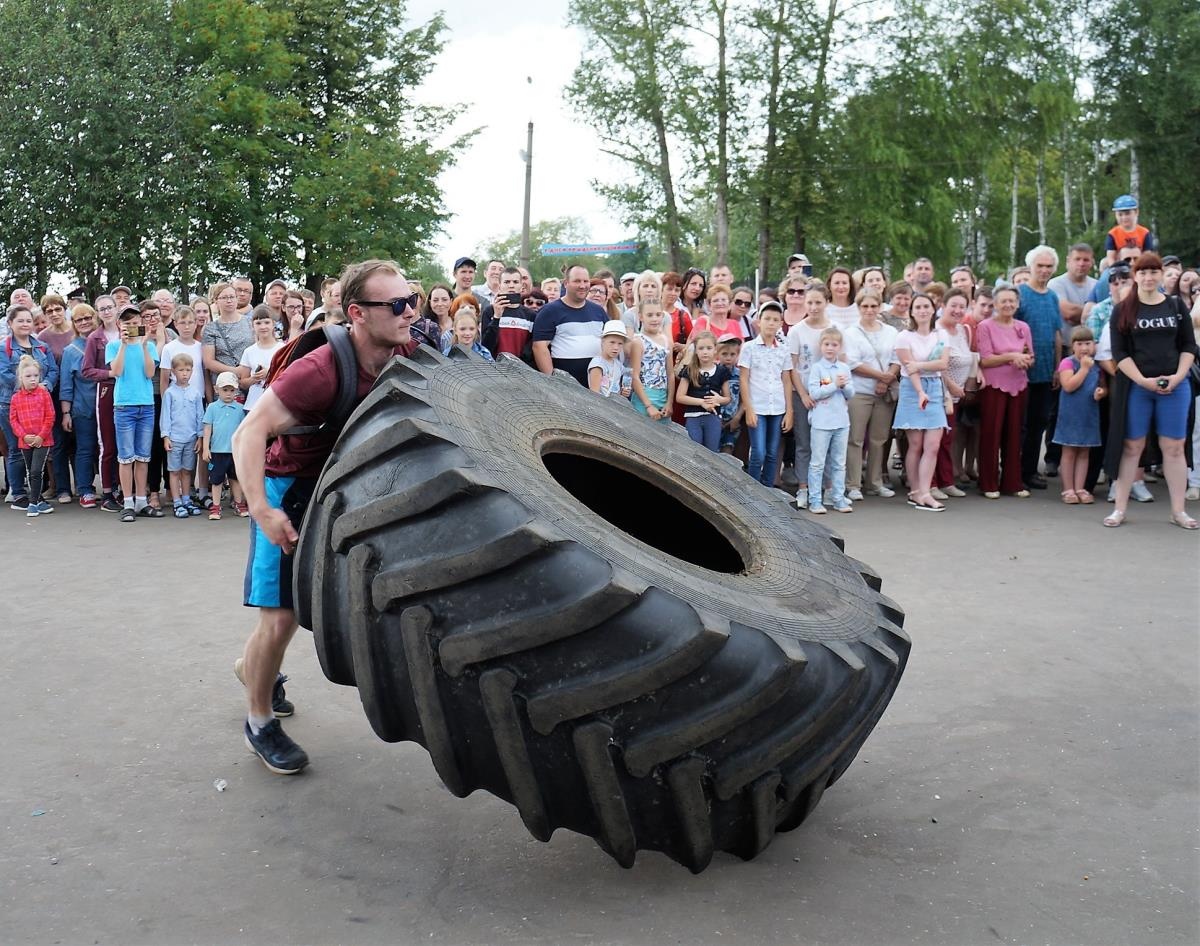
(345, 363)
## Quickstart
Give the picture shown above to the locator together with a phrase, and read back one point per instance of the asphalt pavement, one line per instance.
(1035, 780)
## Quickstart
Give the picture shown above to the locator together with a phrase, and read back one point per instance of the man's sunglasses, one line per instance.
(744, 303)
(398, 306)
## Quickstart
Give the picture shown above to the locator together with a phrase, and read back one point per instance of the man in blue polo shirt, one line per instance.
(566, 333)
(1039, 309)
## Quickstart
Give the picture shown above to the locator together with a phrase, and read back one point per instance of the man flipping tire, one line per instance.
(279, 479)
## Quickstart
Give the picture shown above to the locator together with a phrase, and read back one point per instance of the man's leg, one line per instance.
(263, 657)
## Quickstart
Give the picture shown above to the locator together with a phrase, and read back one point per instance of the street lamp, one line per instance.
(527, 157)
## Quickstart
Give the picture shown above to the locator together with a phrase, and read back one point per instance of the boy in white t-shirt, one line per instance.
(185, 344)
(257, 357)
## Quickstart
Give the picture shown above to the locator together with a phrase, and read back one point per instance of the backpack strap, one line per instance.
(345, 363)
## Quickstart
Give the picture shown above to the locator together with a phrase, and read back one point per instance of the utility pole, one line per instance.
(527, 155)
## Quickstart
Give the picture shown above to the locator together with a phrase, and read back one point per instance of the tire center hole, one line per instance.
(644, 510)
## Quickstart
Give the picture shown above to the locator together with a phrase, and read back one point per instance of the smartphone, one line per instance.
(512, 298)
(135, 331)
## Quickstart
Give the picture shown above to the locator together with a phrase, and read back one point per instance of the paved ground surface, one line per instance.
(1034, 781)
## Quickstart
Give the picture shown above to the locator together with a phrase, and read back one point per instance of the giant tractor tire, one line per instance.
(587, 614)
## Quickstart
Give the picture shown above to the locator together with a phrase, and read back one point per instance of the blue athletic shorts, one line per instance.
(1169, 411)
(269, 571)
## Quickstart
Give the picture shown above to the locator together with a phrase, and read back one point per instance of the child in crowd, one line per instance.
(31, 414)
(188, 325)
(182, 423)
(728, 349)
(133, 361)
(766, 388)
(1078, 426)
(465, 332)
(703, 389)
(651, 364)
(605, 370)
(804, 344)
(257, 356)
(830, 388)
(1127, 232)
(221, 419)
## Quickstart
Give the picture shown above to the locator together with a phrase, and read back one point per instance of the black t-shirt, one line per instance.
(1160, 334)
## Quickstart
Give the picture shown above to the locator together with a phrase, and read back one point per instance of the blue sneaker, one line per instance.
(43, 508)
(31, 510)
(277, 751)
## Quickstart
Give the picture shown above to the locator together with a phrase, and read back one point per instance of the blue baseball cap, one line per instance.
(1125, 202)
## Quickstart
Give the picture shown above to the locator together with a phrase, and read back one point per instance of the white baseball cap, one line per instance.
(226, 379)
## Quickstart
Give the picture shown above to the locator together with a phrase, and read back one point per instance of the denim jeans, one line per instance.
(135, 432)
(84, 426)
(14, 463)
(831, 445)
(705, 430)
(764, 448)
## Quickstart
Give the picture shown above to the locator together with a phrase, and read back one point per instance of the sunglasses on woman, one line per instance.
(533, 303)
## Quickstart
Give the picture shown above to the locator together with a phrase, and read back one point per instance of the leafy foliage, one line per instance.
(173, 144)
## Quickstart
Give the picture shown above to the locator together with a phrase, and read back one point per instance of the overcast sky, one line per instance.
(492, 47)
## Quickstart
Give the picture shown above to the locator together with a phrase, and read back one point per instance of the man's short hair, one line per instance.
(354, 277)
(1081, 248)
(508, 270)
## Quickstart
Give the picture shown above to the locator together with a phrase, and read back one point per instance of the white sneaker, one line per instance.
(1112, 491)
(802, 499)
(938, 494)
(885, 491)
(1193, 493)
(954, 491)
(1139, 492)
(854, 495)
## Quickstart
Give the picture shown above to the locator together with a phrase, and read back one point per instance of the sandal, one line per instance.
(1184, 521)
(151, 512)
(181, 512)
(1114, 519)
(928, 504)
(1070, 497)
(1085, 497)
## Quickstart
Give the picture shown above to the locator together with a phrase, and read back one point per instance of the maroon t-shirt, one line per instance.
(307, 389)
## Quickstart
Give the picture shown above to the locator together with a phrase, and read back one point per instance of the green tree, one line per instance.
(1148, 76)
(637, 87)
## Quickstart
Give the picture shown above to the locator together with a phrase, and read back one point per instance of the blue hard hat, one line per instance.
(1125, 202)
